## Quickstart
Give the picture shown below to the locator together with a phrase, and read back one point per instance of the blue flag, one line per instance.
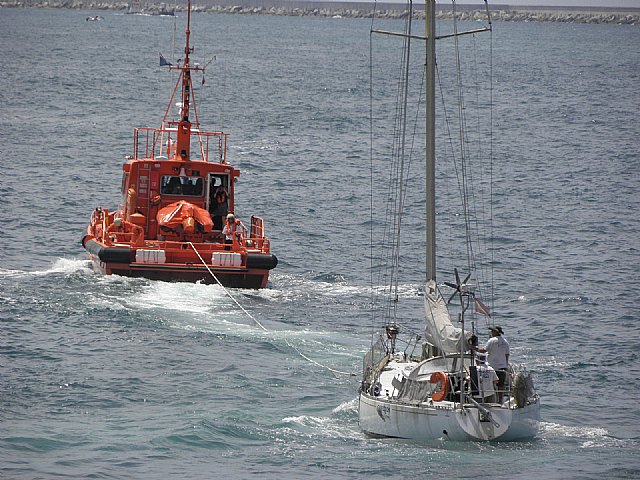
(163, 62)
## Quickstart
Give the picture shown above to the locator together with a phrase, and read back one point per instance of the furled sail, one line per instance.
(439, 330)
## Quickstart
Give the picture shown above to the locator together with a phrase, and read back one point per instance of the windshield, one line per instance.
(182, 186)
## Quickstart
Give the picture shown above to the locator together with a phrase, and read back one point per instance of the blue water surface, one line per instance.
(110, 377)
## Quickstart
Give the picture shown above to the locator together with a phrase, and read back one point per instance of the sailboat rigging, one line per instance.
(437, 391)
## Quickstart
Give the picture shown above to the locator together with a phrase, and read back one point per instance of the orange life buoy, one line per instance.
(443, 380)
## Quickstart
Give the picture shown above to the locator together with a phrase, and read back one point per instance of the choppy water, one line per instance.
(108, 377)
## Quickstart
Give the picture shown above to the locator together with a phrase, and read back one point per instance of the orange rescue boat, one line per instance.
(178, 195)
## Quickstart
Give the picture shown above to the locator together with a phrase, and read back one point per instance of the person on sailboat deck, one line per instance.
(220, 208)
(497, 350)
(487, 379)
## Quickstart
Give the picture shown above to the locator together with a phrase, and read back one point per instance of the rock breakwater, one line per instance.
(353, 10)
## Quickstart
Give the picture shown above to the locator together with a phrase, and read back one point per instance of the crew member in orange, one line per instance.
(240, 231)
(233, 228)
(229, 228)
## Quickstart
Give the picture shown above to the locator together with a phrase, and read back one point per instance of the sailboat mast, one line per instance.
(430, 101)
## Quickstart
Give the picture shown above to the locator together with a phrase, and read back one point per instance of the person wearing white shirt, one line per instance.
(497, 350)
(487, 380)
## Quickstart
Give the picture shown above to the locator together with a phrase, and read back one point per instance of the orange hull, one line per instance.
(245, 265)
(238, 277)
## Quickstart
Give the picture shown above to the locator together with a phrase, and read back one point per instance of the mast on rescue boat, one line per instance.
(183, 125)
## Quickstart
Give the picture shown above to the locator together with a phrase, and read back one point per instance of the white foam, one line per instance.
(12, 273)
(321, 426)
(573, 431)
(351, 406)
(106, 303)
(61, 265)
(208, 308)
(192, 307)
(551, 363)
(291, 286)
(184, 297)
(591, 436)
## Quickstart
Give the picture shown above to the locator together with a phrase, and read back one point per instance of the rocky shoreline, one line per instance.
(353, 10)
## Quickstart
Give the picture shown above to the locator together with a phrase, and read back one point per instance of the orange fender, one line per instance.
(442, 379)
(132, 198)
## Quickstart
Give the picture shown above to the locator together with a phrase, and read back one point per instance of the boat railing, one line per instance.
(374, 361)
(257, 227)
(160, 143)
(518, 390)
(125, 236)
(119, 238)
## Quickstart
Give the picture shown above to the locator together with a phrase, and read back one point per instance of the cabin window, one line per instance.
(182, 186)
(219, 181)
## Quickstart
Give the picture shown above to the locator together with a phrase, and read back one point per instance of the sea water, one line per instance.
(111, 377)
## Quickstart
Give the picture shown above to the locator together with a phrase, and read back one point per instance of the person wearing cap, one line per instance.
(497, 350)
(240, 230)
(229, 229)
(233, 227)
(487, 379)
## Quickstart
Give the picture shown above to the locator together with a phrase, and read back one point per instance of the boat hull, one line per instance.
(122, 261)
(385, 417)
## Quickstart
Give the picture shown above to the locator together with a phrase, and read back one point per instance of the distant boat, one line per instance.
(96, 18)
(430, 386)
(176, 221)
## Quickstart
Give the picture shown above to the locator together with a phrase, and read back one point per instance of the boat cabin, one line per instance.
(153, 182)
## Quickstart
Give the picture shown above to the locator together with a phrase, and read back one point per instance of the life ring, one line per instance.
(443, 379)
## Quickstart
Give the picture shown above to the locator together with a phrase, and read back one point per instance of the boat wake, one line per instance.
(66, 266)
(333, 426)
(259, 315)
(589, 437)
(326, 285)
(350, 407)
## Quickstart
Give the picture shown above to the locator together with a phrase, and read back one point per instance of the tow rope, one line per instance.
(262, 326)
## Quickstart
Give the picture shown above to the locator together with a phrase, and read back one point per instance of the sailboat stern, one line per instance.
(481, 423)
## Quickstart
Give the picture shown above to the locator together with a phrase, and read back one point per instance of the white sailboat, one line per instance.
(435, 394)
